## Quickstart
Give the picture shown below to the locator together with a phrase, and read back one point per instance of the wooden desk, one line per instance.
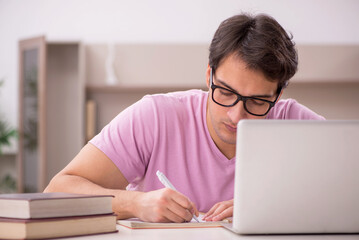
(201, 233)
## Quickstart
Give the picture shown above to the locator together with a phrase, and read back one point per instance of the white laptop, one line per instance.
(296, 177)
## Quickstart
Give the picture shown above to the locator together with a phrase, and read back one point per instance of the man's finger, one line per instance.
(225, 214)
(181, 206)
(211, 211)
(220, 208)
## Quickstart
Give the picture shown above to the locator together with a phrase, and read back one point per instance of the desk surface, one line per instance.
(201, 233)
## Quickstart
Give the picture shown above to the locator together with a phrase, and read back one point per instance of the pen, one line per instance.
(163, 179)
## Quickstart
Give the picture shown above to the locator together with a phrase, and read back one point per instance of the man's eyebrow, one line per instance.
(225, 85)
(230, 88)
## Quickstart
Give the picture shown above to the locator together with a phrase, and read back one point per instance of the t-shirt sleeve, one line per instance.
(291, 109)
(128, 139)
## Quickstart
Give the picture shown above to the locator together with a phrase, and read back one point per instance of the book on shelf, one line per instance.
(49, 205)
(135, 223)
(44, 228)
(90, 119)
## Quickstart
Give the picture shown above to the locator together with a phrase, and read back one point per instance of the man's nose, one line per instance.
(237, 112)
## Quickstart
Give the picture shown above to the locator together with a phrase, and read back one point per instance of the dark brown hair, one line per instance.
(260, 41)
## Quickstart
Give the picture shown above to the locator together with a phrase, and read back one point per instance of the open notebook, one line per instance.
(135, 223)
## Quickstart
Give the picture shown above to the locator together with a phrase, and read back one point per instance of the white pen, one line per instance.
(163, 179)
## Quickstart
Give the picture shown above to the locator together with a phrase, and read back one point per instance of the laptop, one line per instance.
(296, 176)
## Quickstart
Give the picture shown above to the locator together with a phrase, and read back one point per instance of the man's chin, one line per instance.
(226, 136)
(229, 140)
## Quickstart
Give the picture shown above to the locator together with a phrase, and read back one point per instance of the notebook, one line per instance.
(135, 223)
(296, 177)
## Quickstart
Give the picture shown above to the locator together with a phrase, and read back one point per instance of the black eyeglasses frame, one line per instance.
(242, 98)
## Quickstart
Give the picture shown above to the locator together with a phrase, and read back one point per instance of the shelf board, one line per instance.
(139, 89)
(158, 89)
(296, 80)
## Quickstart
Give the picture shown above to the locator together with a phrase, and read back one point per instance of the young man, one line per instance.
(190, 136)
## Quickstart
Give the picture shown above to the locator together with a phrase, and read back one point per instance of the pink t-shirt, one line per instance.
(168, 132)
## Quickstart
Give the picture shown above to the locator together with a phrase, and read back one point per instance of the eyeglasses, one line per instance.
(228, 98)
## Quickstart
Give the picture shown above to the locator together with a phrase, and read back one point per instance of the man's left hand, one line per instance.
(220, 211)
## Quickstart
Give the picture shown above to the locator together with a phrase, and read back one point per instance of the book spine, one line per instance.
(90, 119)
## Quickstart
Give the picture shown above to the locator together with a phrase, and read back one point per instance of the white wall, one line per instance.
(155, 21)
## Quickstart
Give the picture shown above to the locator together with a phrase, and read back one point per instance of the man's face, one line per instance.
(233, 74)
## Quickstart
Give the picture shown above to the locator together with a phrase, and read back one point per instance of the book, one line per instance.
(90, 119)
(135, 223)
(44, 228)
(46, 205)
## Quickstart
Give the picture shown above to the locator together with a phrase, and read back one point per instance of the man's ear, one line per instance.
(208, 73)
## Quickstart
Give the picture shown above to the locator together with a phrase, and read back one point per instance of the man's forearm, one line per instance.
(122, 204)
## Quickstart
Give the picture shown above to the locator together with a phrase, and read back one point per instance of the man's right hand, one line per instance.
(164, 205)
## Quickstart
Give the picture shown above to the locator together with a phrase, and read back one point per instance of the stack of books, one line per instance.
(52, 215)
